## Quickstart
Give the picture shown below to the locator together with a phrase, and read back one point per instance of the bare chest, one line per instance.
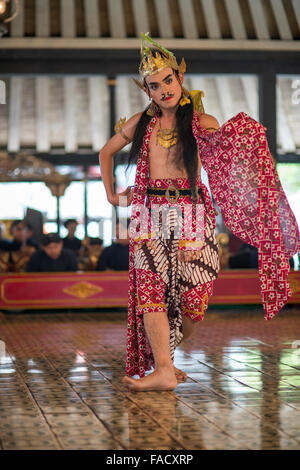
(165, 162)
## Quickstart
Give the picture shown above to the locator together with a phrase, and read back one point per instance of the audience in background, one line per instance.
(29, 235)
(15, 253)
(4, 243)
(71, 242)
(4, 253)
(247, 258)
(116, 256)
(20, 235)
(2, 230)
(52, 257)
(70, 254)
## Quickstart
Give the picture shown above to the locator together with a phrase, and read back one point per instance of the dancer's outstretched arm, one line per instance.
(106, 155)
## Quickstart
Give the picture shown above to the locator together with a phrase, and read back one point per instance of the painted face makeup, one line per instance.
(164, 88)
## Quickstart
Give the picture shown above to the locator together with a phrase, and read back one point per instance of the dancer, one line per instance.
(171, 268)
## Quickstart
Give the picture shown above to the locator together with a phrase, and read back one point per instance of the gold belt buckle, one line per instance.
(168, 195)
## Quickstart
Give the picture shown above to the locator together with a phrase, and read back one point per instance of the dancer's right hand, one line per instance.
(126, 198)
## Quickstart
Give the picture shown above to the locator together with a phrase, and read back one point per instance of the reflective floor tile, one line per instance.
(242, 390)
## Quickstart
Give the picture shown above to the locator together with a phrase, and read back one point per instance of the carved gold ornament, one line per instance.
(82, 290)
(166, 137)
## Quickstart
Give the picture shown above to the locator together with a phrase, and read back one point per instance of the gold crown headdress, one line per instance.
(153, 62)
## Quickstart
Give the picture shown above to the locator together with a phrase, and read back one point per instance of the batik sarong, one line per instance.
(178, 282)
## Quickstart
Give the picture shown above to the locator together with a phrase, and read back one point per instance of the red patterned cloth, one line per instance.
(245, 185)
(194, 302)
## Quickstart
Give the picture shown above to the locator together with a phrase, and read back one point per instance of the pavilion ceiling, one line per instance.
(68, 114)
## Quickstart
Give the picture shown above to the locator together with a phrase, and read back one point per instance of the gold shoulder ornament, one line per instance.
(119, 124)
(118, 128)
(197, 96)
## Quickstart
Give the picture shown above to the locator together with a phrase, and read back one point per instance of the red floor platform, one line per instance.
(109, 289)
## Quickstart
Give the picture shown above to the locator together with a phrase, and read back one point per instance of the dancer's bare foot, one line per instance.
(163, 378)
(180, 375)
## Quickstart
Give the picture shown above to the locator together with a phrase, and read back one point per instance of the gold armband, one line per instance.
(118, 128)
(124, 136)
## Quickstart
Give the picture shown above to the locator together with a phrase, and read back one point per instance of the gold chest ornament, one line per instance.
(166, 137)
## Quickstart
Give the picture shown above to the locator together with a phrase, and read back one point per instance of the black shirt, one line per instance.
(5, 245)
(41, 262)
(114, 257)
(72, 244)
(14, 245)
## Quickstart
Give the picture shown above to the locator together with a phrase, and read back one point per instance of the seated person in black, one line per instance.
(116, 256)
(4, 251)
(4, 243)
(71, 242)
(20, 236)
(52, 257)
(247, 257)
(29, 235)
(18, 250)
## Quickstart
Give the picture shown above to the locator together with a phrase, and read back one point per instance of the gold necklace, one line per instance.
(166, 137)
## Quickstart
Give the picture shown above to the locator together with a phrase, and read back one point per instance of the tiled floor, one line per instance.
(60, 385)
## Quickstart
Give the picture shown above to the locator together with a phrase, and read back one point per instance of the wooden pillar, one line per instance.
(111, 81)
(58, 214)
(113, 119)
(267, 107)
(86, 218)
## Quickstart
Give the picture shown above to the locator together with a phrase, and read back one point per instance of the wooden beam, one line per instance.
(211, 19)
(70, 114)
(17, 28)
(92, 19)
(164, 19)
(140, 16)
(67, 11)
(115, 44)
(259, 20)
(42, 113)
(42, 20)
(236, 19)
(99, 111)
(116, 19)
(188, 19)
(14, 113)
(281, 20)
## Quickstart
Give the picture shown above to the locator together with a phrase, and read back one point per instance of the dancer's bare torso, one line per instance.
(163, 162)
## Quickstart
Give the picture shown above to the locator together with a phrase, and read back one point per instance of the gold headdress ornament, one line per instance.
(153, 62)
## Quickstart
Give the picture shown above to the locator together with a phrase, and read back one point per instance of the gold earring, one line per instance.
(151, 111)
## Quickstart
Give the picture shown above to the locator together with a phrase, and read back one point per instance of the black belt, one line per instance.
(171, 193)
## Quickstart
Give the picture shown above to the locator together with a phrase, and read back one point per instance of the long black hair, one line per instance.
(186, 154)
